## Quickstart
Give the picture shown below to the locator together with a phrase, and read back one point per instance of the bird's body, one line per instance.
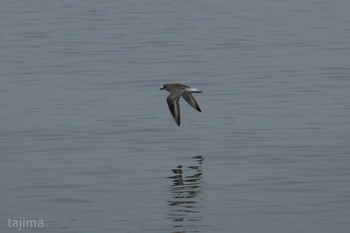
(176, 91)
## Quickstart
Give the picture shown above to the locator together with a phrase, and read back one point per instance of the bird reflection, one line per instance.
(186, 197)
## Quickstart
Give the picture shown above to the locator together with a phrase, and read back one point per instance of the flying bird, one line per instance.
(176, 91)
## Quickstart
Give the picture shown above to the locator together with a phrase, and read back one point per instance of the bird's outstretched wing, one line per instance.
(174, 107)
(191, 101)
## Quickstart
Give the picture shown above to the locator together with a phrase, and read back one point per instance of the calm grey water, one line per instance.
(88, 144)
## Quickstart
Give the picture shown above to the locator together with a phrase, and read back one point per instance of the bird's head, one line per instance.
(165, 87)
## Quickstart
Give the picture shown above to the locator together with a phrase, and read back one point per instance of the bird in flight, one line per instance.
(176, 91)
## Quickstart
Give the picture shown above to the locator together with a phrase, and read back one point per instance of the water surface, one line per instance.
(88, 143)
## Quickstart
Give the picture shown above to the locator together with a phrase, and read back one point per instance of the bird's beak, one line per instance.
(161, 88)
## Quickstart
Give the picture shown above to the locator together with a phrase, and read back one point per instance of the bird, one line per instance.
(176, 91)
